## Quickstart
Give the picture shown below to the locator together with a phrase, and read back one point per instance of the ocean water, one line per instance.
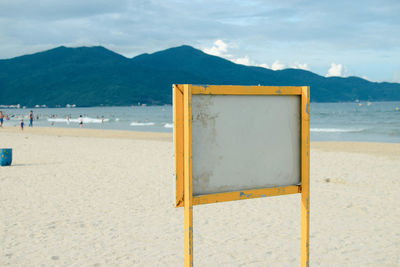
(135, 118)
(364, 121)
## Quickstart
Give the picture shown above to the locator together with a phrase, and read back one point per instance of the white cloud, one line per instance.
(219, 49)
(336, 70)
(297, 65)
(243, 60)
(264, 65)
(277, 65)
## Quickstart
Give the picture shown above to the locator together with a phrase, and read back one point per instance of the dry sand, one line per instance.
(77, 197)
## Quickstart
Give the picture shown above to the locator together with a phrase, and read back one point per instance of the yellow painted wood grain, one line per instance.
(245, 90)
(305, 176)
(246, 194)
(179, 141)
(188, 188)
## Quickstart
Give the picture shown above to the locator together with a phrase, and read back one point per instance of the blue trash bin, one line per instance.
(5, 156)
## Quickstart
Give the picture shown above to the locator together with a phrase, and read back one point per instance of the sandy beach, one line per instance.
(79, 197)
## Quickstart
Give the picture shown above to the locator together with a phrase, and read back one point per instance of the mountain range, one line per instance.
(94, 76)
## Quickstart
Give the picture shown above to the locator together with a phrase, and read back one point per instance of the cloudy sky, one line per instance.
(334, 38)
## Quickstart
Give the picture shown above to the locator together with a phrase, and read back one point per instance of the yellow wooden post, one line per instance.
(305, 176)
(179, 140)
(188, 188)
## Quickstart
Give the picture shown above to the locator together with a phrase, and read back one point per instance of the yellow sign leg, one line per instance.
(305, 177)
(305, 230)
(188, 188)
(188, 235)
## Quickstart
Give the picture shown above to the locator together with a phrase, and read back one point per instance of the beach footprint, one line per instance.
(335, 180)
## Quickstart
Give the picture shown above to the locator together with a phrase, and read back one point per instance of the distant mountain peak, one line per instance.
(95, 75)
(183, 49)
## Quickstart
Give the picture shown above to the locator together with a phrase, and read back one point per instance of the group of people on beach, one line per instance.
(3, 117)
(22, 124)
(30, 121)
(31, 117)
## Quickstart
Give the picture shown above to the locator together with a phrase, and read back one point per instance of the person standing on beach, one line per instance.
(80, 121)
(31, 119)
(1, 118)
(22, 124)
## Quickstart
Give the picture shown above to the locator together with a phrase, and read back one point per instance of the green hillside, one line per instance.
(92, 76)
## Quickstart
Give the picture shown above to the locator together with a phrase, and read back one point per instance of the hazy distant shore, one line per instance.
(104, 198)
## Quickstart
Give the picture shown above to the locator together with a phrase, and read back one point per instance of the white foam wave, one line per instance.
(85, 120)
(142, 123)
(168, 125)
(334, 130)
(57, 120)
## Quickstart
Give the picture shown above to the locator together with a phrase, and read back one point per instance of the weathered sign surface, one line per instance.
(243, 142)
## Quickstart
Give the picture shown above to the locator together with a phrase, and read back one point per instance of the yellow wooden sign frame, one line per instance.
(183, 158)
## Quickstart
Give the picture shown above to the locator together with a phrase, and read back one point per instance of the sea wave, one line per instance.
(335, 130)
(142, 123)
(168, 125)
(85, 120)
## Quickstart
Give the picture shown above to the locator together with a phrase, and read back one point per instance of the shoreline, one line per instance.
(85, 132)
(371, 148)
(326, 146)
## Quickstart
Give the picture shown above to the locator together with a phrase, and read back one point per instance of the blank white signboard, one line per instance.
(243, 142)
